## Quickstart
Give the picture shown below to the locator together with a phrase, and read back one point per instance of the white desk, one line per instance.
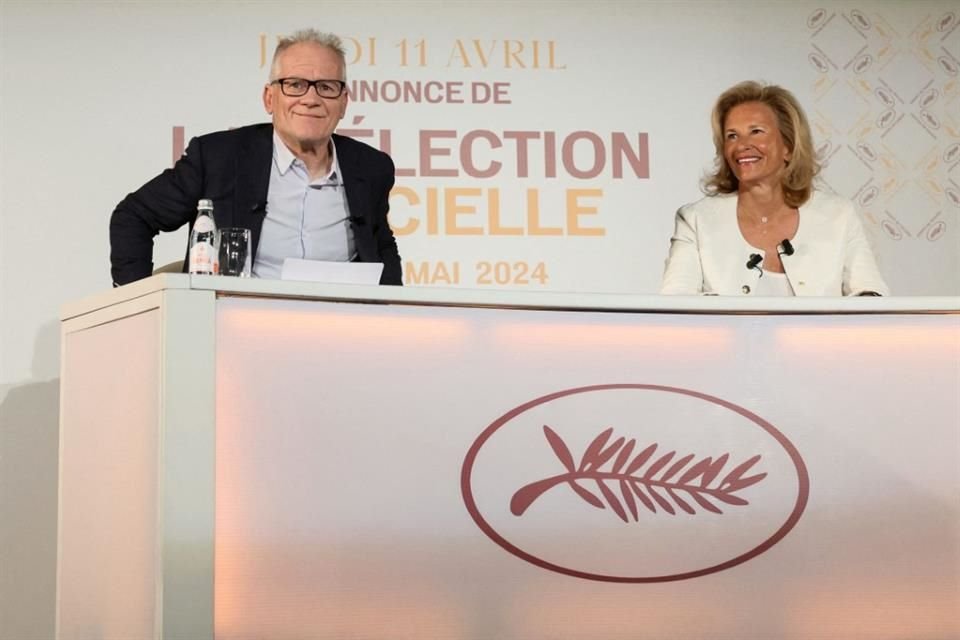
(276, 459)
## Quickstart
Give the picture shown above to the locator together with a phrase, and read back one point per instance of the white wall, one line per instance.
(90, 93)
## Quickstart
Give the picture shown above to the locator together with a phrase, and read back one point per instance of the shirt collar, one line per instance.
(285, 159)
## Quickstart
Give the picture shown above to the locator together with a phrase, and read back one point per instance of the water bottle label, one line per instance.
(202, 258)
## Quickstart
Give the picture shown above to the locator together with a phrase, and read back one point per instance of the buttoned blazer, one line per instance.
(832, 257)
(232, 168)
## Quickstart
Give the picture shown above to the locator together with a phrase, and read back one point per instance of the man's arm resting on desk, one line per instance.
(165, 203)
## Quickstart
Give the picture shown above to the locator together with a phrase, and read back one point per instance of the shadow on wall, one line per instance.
(29, 441)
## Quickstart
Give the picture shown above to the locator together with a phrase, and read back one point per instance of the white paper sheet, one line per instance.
(332, 272)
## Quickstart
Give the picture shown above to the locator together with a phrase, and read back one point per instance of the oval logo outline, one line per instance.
(803, 490)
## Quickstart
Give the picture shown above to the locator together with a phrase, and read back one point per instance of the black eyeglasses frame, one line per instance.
(310, 83)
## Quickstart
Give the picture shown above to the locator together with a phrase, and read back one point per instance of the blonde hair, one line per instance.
(328, 40)
(802, 167)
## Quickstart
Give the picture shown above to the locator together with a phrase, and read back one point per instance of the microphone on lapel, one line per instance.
(754, 261)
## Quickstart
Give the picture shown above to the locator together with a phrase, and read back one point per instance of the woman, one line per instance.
(763, 229)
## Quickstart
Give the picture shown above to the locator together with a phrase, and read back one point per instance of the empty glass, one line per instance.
(235, 252)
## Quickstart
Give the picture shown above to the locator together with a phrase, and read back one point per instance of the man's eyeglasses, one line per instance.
(296, 87)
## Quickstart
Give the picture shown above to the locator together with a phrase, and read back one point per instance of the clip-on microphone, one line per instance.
(755, 259)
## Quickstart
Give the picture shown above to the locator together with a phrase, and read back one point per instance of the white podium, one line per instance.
(250, 459)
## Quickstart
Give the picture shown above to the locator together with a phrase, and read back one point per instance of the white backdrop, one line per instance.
(93, 97)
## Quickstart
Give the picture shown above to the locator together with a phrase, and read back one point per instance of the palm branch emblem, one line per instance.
(646, 479)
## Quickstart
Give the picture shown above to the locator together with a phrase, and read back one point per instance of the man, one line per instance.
(303, 191)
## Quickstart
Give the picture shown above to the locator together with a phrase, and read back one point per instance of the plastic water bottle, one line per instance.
(203, 241)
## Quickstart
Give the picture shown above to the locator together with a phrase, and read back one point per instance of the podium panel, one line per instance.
(107, 514)
(342, 440)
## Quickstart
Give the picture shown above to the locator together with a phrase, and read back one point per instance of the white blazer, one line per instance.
(832, 257)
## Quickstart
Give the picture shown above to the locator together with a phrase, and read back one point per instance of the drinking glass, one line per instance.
(235, 252)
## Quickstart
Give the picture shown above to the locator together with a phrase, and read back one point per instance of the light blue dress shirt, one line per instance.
(305, 218)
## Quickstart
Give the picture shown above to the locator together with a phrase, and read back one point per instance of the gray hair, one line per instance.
(328, 40)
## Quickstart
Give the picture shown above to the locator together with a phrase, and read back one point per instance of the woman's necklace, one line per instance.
(761, 222)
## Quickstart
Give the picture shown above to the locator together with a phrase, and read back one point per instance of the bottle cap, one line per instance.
(205, 204)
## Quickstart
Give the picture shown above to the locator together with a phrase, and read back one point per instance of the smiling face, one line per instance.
(306, 122)
(753, 145)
